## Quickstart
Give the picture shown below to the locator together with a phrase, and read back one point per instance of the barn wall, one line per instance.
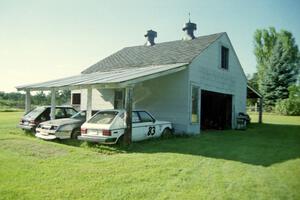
(205, 71)
(101, 98)
(166, 98)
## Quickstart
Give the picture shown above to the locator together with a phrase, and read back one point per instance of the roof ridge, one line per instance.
(199, 37)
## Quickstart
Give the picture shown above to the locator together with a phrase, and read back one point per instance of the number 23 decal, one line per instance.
(151, 130)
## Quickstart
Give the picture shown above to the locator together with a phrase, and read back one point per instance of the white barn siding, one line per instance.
(205, 71)
(166, 98)
(101, 98)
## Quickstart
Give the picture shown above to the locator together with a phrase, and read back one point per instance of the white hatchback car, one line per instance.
(108, 127)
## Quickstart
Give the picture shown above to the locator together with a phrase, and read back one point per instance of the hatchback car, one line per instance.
(64, 128)
(109, 126)
(40, 114)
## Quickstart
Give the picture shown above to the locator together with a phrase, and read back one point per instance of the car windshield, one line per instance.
(79, 115)
(35, 112)
(104, 117)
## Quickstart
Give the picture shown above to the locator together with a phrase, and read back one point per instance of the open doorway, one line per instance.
(216, 110)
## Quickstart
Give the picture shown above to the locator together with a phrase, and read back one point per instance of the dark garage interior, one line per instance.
(216, 110)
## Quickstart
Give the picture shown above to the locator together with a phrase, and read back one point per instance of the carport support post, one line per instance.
(128, 119)
(260, 110)
(27, 101)
(53, 104)
(89, 103)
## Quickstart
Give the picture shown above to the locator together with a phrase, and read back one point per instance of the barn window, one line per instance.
(224, 57)
(195, 104)
(119, 99)
(76, 99)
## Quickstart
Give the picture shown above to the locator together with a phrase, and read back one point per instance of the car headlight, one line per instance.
(54, 127)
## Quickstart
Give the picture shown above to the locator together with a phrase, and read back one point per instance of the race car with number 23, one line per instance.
(108, 126)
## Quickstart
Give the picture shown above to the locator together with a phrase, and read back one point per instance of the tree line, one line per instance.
(17, 99)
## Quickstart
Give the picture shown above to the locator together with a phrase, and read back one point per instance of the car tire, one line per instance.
(167, 133)
(75, 133)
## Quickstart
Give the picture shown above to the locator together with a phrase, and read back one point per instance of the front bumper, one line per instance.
(52, 134)
(98, 139)
(45, 137)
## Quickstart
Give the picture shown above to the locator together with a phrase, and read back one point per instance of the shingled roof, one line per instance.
(180, 51)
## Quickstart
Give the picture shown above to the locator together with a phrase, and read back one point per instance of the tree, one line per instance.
(63, 97)
(253, 80)
(277, 58)
(265, 41)
(280, 73)
(40, 98)
(294, 92)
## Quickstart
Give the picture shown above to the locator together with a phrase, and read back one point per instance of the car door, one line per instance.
(137, 129)
(147, 125)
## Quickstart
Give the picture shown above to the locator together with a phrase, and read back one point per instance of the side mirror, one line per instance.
(154, 120)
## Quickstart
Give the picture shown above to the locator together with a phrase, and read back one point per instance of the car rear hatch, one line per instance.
(100, 124)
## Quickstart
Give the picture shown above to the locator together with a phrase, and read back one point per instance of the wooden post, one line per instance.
(27, 101)
(260, 110)
(128, 119)
(53, 104)
(89, 103)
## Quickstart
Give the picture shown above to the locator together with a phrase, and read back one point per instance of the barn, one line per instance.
(196, 83)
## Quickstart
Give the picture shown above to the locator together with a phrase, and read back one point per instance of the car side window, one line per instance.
(135, 118)
(145, 117)
(45, 115)
(70, 112)
(59, 113)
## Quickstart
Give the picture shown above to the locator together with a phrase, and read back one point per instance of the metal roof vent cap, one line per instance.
(151, 35)
(189, 28)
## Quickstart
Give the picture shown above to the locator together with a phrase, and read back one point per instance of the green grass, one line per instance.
(262, 162)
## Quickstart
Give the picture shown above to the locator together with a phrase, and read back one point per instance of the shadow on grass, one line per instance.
(260, 144)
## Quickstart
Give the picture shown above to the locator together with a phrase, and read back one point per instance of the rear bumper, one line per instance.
(26, 127)
(98, 139)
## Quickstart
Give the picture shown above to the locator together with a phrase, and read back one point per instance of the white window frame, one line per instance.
(220, 56)
(191, 104)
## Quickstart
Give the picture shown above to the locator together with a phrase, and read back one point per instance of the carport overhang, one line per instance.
(122, 78)
(254, 94)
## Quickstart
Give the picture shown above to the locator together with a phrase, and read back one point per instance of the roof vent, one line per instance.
(150, 37)
(189, 28)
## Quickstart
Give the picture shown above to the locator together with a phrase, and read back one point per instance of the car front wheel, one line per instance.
(75, 133)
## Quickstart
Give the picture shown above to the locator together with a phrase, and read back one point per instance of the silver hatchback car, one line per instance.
(61, 128)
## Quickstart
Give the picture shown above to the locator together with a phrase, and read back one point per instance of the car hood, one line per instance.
(65, 121)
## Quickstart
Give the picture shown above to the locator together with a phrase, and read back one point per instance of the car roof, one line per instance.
(67, 106)
(122, 110)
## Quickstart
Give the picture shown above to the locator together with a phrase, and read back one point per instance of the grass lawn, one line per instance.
(262, 162)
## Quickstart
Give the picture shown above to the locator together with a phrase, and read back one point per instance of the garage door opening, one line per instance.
(216, 110)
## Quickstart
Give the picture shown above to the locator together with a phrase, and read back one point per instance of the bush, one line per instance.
(288, 107)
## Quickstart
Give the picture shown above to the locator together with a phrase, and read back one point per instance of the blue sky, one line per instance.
(43, 40)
